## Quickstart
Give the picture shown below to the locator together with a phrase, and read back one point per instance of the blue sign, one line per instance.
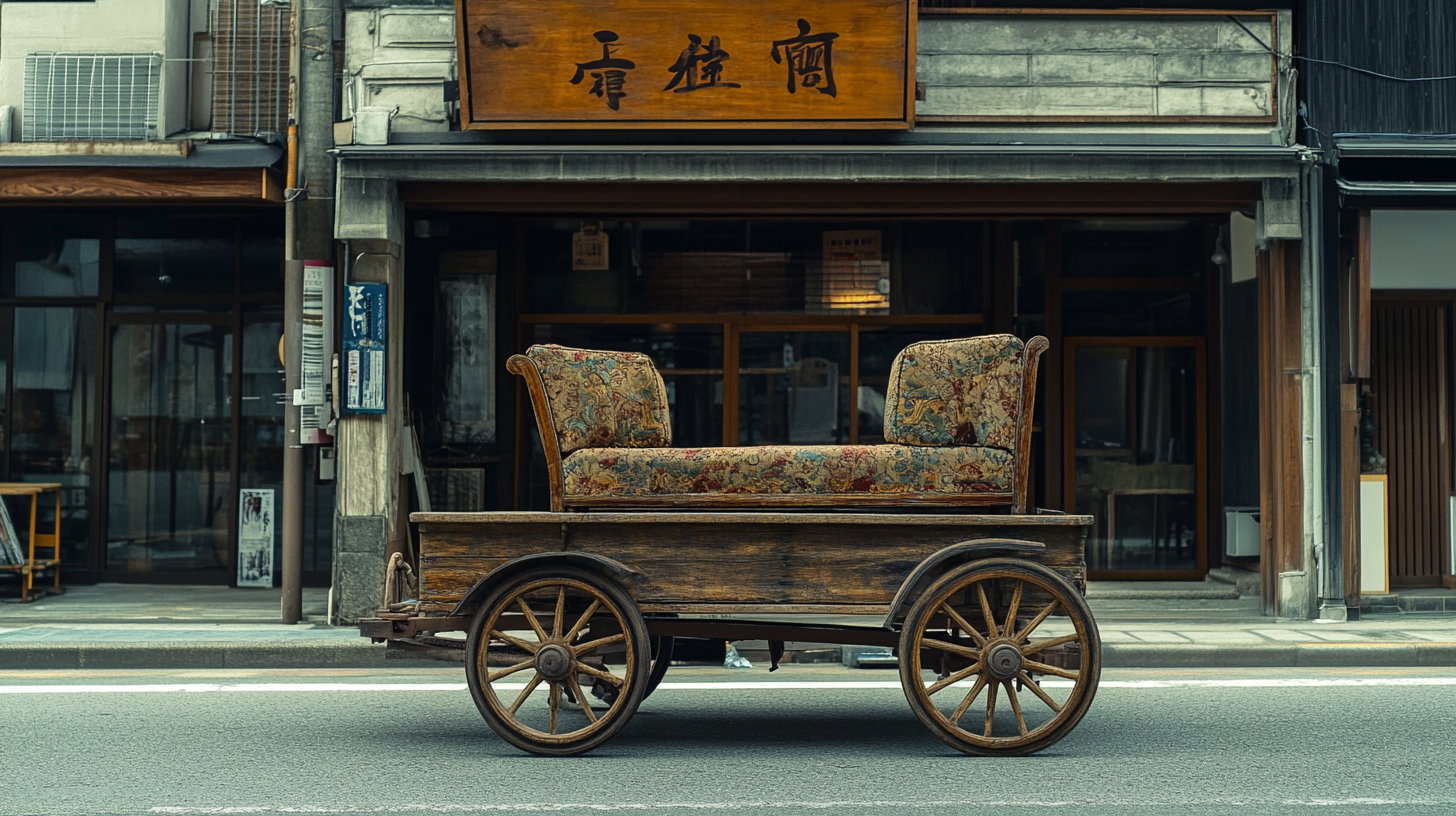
(366, 318)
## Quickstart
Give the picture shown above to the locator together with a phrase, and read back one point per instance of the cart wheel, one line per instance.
(570, 629)
(982, 631)
(661, 659)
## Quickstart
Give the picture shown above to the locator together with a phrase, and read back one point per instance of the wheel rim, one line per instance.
(1001, 682)
(546, 692)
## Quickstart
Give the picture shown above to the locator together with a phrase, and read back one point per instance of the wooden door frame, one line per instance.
(1070, 345)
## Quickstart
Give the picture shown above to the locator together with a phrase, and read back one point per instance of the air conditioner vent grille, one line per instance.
(91, 97)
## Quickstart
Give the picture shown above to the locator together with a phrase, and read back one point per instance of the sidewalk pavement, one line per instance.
(1142, 626)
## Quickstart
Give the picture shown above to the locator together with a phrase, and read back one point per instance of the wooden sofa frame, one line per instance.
(1016, 498)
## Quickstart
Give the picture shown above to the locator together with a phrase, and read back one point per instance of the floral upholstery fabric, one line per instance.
(956, 392)
(602, 399)
(822, 470)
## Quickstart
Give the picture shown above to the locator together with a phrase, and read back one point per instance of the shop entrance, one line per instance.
(1409, 381)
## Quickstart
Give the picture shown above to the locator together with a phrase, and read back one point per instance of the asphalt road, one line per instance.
(1155, 742)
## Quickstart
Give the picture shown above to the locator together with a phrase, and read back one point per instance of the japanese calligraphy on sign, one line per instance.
(718, 64)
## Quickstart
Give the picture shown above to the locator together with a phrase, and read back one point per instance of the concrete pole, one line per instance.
(292, 511)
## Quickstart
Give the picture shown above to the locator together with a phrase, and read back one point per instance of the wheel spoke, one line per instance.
(1042, 668)
(515, 641)
(991, 707)
(581, 698)
(986, 611)
(961, 622)
(560, 612)
(970, 698)
(525, 692)
(1043, 645)
(1036, 621)
(598, 643)
(522, 666)
(531, 619)
(1037, 690)
(555, 705)
(953, 678)
(604, 676)
(1010, 626)
(965, 651)
(580, 622)
(1015, 706)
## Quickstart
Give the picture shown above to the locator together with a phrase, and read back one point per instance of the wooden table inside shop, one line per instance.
(51, 541)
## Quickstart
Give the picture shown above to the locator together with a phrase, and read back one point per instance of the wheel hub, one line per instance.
(1003, 660)
(553, 661)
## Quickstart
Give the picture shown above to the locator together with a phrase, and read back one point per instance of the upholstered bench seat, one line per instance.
(957, 428)
(786, 470)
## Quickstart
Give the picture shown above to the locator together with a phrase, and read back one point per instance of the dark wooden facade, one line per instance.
(1399, 38)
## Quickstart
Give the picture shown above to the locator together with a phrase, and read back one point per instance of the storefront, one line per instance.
(139, 351)
(773, 259)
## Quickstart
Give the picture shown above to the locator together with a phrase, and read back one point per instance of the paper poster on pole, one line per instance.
(365, 321)
(255, 538)
(318, 333)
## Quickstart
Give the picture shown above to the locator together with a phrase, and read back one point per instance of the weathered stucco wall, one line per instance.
(1141, 65)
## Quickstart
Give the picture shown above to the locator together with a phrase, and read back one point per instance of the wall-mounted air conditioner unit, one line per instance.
(91, 97)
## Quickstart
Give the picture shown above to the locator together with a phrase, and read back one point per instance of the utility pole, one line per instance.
(308, 234)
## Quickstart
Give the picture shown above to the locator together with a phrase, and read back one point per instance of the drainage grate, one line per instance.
(91, 97)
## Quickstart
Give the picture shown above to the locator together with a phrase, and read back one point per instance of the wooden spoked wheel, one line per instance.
(987, 661)
(541, 643)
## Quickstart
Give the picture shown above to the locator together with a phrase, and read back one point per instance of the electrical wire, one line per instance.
(1376, 73)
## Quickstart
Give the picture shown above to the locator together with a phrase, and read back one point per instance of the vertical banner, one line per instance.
(255, 538)
(366, 316)
(318, 333)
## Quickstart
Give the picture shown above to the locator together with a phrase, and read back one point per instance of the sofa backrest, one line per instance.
(957, 392)
(603, 399)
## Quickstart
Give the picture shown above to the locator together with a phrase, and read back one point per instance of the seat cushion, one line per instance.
(956, 392)
(817, 470)
(603, 398)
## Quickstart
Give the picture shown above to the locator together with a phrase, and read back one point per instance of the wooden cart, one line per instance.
(567, 613)
(571, 616)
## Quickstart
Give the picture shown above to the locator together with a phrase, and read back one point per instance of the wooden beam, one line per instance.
(137, 185)
(1362, 298)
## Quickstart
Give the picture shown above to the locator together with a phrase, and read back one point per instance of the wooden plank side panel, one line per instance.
(1408, 381)
(729, 561)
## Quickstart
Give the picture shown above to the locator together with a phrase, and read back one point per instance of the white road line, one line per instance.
(1341, 682)
(881, 806)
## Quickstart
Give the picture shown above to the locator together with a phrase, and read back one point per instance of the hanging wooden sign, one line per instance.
(717, 64)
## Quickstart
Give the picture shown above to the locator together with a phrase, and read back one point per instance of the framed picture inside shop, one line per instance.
(718, 64)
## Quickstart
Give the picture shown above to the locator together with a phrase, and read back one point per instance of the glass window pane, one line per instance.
(758, 267)
(53, 418)
(170, 490)
(261, 256)
(158, 256)
(1135, 249)
(553, 286)
(260, 442)
(56, 257)
(1136, 455)
(1141, 313)
(463, 416)
(793, 387)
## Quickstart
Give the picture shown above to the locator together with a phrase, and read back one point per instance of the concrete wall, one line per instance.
(1095, 66)
(1144, 67)
(400, 57)
(105, 26)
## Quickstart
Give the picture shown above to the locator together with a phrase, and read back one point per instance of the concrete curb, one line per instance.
(364, 655)
(1276, 655)
(197, 655)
